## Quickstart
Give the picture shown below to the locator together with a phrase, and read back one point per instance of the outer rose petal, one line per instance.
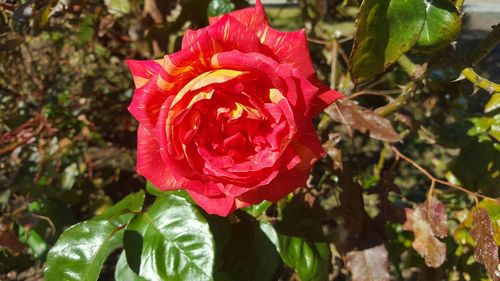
(149, 162)
(221, 206)
(147, 102)
(324, 97)
(143, 70)
(254, 17)
(289, 47)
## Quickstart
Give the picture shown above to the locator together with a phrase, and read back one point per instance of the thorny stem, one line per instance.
(409, 90)
(333, 69)
(479, 81)
(435, 180)
(413, 70)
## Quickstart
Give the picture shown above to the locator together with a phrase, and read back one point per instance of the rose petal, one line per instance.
(289, 48)
(147, 102)
(254, 17)
(149, 162)
(143, 70)
(221, 206)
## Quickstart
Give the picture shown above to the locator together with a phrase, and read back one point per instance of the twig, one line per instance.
(415, 71)
(435, 180)
(480, 81)
(333, 67)
(409, 90)
(382, 93)
(459, 4)
(485, 46)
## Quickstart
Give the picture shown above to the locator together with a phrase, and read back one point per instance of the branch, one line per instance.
(459, 4)
(415, 71)
(485, 46)
(435, 180)
(408, 91)
(480, 81)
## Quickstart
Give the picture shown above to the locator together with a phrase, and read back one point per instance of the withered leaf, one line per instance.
(362, 119)
(426, 222)
(486, 251)
(368, 264)
(9, 240)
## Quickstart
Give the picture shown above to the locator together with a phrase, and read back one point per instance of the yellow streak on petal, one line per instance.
(207, 78)
(140, 81)
(201, 54)
(238, 111)
(214, 61)
(164, 85)
(226, 30)
(201, 96)
(172, 69)
(263, 36)
(275, 96)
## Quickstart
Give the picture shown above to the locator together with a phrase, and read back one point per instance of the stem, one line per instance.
(408, 91)
(413, 70)
(333, 69)
(485, 46)
(479, 81)
(459, 4)
(436, 180)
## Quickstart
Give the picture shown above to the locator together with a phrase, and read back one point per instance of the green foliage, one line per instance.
(67, 150)
(81, 251)
(384, 31)
(173, 245)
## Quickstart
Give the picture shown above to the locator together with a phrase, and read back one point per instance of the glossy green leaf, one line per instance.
(171, 241)
(219, 7)
(123, 271)
(384, 31)
(259, 209)
(442, 26)
(153, 190)
(493, 103)
(121, 212)
(250, 254)
(303, 246)
(81, 251)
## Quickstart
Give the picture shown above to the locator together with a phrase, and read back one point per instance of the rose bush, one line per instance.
(228, 117)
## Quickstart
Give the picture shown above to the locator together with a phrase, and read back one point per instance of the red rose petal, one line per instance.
(255, 17)
(143, 70)
(146, 103)
(149, 162)
(221, 206)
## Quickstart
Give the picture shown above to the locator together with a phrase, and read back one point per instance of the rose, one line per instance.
(228, 117)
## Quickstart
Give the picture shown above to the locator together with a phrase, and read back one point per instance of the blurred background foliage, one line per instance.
(67, 142)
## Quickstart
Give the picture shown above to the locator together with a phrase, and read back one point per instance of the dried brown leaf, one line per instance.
(9, 240)
(368, 264)
(434, 213)
(366, 121)
(428, 221)
(486, 251)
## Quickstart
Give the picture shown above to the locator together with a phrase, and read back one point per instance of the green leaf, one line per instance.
(219, 7)
(123, 271)
(259, 209)
(303, 246)
(384, 31)
(86, 31)
(34, 240)
(493, 103)
(121, 212)
(171, 241)
(153, 190)
(442, 26)
(251, 254)
(81, 251)
(118, 7)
